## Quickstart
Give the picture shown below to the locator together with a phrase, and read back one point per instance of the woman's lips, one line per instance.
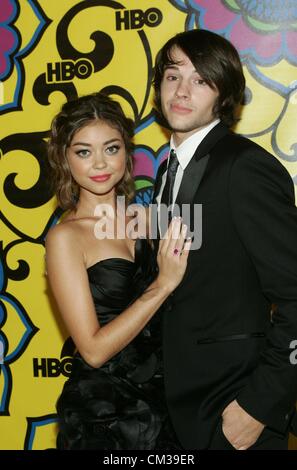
(100, 178)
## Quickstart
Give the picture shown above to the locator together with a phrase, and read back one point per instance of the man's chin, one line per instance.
(182, 129)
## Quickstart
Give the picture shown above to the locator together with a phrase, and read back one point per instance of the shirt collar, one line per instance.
(186, 149)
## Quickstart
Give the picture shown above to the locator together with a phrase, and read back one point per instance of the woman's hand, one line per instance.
(173, 254)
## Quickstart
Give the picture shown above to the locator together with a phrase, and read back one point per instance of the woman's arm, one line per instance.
(69, 282)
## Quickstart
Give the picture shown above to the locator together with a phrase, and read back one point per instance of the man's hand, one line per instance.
(240, 428)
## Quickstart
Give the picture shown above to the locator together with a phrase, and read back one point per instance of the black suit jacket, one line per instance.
(219, 340)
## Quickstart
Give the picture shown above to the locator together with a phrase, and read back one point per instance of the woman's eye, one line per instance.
(83, 153)
(112, 149)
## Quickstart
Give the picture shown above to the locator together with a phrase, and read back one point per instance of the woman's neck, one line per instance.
(91, 205)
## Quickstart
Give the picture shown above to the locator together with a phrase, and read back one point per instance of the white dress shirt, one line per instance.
(184, 153)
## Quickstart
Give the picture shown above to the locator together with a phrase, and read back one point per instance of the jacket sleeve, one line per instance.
(265, 216)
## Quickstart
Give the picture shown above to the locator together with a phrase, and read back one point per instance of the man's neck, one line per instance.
(179, 138)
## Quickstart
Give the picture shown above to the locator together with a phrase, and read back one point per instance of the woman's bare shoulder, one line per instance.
(64, 230)
(66, 237)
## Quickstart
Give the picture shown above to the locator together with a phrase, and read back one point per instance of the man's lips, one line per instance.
(100, 178)
(177, 108)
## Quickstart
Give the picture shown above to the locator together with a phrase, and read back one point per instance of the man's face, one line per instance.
(187, 101)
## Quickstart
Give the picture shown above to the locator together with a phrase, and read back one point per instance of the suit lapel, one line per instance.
(196, 168)
(191, 180)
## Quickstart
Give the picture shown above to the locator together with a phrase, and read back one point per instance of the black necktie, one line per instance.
(167, 195)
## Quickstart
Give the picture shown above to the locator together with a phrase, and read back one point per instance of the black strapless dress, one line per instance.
(121, 405)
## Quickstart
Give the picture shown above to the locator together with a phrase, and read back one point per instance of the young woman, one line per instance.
(106, 286)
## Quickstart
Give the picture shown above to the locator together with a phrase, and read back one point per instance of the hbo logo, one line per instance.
(136, 19)
(51, 367)
(68, 69)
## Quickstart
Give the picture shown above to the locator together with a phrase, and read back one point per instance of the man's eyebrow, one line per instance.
(171, 66)
(176, 67)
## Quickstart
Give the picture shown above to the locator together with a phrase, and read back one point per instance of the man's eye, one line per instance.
(171, 78)
(200, 81)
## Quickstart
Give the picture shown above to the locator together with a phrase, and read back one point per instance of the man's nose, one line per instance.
(182, 90)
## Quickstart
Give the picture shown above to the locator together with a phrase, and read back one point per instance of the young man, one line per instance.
(229, 374)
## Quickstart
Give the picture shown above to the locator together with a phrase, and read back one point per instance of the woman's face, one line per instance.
(97, 158)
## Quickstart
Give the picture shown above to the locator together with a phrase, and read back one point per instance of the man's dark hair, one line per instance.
(217, 62)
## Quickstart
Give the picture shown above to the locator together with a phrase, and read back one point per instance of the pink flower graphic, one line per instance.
(263, 31)
(146, 164)
(8, 37)
(7, 10)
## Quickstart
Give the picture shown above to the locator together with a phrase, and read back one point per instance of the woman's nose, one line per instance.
(99, 160)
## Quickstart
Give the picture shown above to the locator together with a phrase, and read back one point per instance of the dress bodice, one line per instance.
(114, 284)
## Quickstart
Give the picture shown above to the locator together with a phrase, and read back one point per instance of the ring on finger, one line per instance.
(176, 251)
